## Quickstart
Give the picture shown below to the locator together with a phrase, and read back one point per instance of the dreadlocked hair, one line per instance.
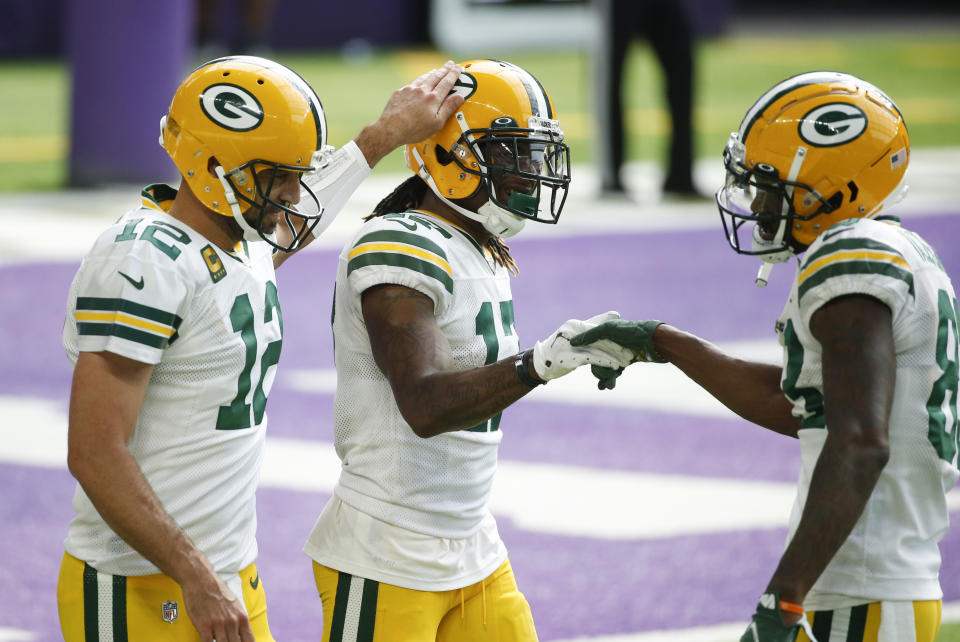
(409, 194)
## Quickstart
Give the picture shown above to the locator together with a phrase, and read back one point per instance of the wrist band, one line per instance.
(790, 607)
(522, 366)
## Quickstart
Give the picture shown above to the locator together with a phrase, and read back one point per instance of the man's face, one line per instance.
(284, 189)
(768, 205)
(507, 161)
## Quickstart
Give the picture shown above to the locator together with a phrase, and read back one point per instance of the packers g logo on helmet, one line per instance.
(232, 107)
(815, 149)
(832, 124)
(465, 86)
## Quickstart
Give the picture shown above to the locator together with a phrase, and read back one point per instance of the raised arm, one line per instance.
(412, 113)
(105, 400)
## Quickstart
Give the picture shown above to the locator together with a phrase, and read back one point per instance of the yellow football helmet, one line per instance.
(250, 114)
(815, 149)
(505, 137)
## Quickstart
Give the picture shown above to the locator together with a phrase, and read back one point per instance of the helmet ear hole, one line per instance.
(443, 156)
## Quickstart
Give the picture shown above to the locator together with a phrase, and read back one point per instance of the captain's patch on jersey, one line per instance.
(212, 260)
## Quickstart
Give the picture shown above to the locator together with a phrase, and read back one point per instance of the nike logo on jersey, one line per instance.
(136, 284)
(255, 582)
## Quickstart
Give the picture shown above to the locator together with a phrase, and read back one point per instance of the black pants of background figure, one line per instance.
(666, 25)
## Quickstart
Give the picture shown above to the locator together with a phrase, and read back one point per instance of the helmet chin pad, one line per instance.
(499, 221)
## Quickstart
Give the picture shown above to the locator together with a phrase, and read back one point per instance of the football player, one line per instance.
(869, 376)
(427, 358)
(174, 326)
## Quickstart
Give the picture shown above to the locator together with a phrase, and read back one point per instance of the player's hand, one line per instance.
(555, 357)
(767, 623)
(215, 611)
(636, 336)
(606, 377)
(414, 112)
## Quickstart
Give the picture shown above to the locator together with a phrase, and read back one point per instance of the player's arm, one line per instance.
(859, 374)
(432, 395)
(749, 388)
(105, 400)
(415, 356)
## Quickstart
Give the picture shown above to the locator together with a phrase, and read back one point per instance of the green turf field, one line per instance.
(920, 71)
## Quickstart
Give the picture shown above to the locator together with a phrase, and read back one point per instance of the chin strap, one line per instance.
(249, 233)
(763, 274)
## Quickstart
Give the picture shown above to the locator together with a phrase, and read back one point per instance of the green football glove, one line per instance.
(636, 336)
(606, 377)
(767, 623)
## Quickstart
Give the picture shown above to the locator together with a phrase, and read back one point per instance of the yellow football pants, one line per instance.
(96, 607)
(361, 610)
(877, 622)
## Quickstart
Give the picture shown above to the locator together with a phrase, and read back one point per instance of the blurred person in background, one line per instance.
(427, 359)
(256, 20)
(666, 25)
(174, 328)
(869, 376)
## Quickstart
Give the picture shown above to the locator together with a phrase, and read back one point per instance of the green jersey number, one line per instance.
(486, 328)
(236, 414)
(150, 232)
(942, 404)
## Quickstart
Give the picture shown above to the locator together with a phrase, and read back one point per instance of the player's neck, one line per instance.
(220, 230)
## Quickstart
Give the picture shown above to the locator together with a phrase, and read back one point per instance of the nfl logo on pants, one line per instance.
(169, 611)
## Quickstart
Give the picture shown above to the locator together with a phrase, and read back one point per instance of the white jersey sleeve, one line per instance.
(397, 250)
(132, 303)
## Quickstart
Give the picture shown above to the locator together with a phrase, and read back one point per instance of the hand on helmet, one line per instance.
(555, 357)
(415, 111)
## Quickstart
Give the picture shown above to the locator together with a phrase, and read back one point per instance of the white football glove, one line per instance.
(555, 357)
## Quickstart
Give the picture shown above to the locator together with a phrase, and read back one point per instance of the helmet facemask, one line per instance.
(760, 197)
(517, 168)
(514, 164)
(252, 184)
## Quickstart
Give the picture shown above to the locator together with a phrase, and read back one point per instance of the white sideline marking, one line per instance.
(547, 498)
(16, 635)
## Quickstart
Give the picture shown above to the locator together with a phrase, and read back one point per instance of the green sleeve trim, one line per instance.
(840, 268)
(392, 236)
(846, 245)
(97, 304)
(404, 261)
(123, 332)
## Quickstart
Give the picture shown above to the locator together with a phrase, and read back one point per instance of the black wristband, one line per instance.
(522, 366)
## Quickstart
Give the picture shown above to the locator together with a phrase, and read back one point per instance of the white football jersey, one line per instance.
(154, 290)
(437, 486)
(892, 552)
